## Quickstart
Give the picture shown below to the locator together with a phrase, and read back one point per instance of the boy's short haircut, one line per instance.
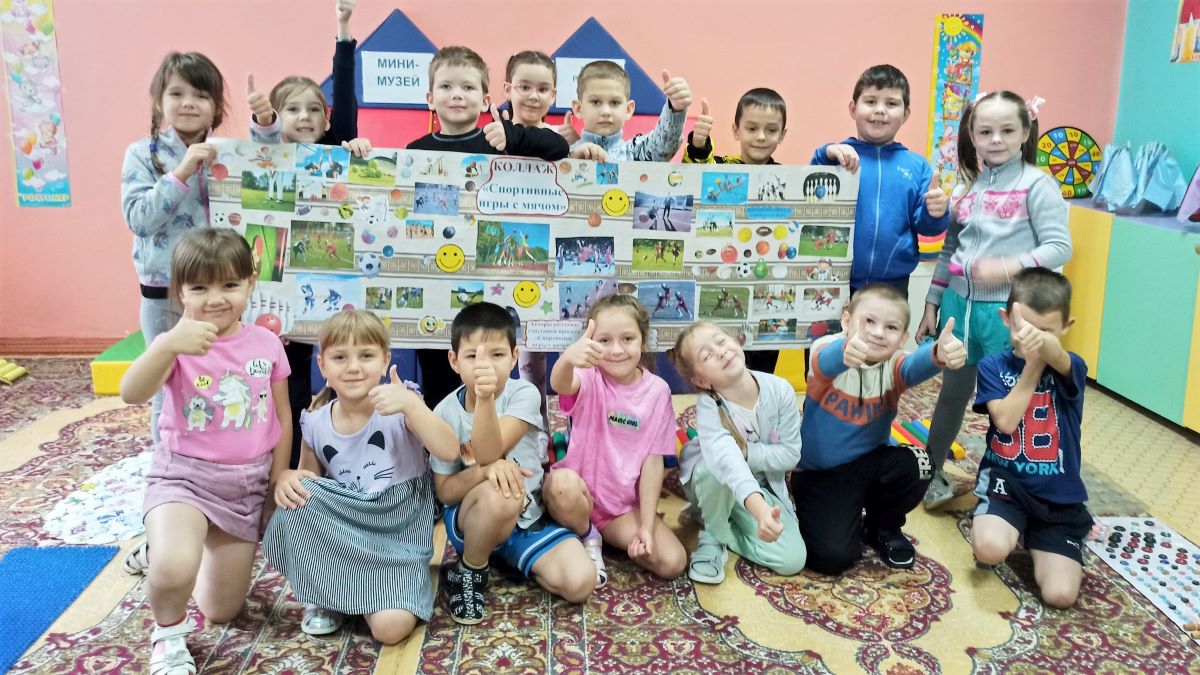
(763, 98)
(882, 77)
(531, 58)
(486, 317)
(885, 292)
(1042, 290)
(458, 56)
(601, 70)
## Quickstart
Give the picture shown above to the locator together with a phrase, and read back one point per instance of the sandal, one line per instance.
(321, 621)
(138, 560)
(707, 562)
(595, 550)
(169, 654)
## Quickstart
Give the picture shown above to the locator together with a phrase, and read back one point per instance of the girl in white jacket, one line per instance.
(734, 470)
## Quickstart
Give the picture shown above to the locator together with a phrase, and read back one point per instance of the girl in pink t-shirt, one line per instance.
(226, 432)
(623, 424)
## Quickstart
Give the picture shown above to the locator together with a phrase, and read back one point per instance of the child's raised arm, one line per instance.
(433, 432)
(700, 149)
(148, 373)
(343, 117)
(661, 143)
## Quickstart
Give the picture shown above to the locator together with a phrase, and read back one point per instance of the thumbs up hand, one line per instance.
(1027, 339)
(486, 378)
(393, 397)
(585, 352)
(260, 105)
(949, 349)
(703, 128)
(496, 131)
(936, 201)
(679, 94)
(567, 128)
(854, 354)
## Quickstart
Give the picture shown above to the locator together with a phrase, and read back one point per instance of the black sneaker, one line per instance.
(465, 589)
(894, 548)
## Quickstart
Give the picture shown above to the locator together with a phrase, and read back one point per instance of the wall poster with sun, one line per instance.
(414, 236)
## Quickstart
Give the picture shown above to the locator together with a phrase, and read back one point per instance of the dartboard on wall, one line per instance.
(1071, 157)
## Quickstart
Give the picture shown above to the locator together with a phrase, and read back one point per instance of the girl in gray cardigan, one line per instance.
(1006, 215)
(734, 470)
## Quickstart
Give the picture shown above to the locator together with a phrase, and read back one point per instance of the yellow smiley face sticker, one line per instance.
(450, 258)
(615, 202)
(526, 294)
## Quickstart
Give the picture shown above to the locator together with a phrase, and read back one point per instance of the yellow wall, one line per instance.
(1091, 231)
(1191, 401)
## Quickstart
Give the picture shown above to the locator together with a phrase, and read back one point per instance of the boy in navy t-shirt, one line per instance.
(1029, 482)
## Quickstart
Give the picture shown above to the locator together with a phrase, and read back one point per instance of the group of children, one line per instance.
(350, 471)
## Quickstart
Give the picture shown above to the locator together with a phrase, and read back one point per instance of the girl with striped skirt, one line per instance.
(359, 540)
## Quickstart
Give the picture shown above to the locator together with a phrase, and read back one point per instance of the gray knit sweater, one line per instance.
(1014, 209)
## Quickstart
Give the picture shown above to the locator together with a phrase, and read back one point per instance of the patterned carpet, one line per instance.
(942, 616)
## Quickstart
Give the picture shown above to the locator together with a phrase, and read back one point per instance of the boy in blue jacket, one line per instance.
(898, 195)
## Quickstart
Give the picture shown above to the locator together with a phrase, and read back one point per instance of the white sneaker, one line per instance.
(595, 550)
(321, 621)
(938, 493)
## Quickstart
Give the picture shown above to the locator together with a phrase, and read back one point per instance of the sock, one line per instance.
(480, 568)
(592, 533)
(174, 623)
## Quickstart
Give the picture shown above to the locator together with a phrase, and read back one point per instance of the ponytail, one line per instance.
(323, 397)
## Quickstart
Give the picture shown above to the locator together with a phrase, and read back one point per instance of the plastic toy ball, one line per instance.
(448, 232)
(270, 322)
(388, 251)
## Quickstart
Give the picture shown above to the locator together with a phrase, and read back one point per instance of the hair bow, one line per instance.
(1032, 106)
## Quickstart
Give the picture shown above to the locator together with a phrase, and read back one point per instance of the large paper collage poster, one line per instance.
(414, 236)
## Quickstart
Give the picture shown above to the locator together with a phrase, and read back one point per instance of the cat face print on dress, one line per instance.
(367, 471)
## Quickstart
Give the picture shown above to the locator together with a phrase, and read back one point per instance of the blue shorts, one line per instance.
(1046, 526)
(976, 323)
(523, 547)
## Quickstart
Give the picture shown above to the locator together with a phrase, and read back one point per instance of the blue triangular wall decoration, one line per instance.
(592, 41)
(395, 34)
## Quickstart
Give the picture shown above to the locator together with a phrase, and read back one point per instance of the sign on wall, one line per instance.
(415, 236)
(35, 103)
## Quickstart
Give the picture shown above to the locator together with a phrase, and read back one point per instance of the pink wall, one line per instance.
(66, 273)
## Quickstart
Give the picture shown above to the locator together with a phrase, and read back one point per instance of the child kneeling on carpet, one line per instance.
(735, 469)
(855, 381)
(360, 540)
(493, 488)
(225, 434)
(623, 425)
(1029, 482)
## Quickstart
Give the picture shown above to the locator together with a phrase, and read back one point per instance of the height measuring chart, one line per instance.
(414, 236)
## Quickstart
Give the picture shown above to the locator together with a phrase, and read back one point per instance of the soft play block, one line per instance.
(790, 367)
(110, 367)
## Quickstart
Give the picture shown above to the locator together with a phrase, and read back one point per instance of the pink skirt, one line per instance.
(230, 495)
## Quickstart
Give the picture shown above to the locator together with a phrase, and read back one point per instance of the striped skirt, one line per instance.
(358, 553)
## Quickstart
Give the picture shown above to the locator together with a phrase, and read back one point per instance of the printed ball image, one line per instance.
(448, 232)
(219, 171)
(235, 219)
(781, 232)
(761, 270)
(594, 220)
(270, 322)
(791, 252)
(745, 270)
(368, 264)
(338, 191)
(388, 251)
(744, 234)
(368, 237)
(728, 254)
(642, 217)
(782, 252)
(397, 194)
(393, 232)
(762, 247)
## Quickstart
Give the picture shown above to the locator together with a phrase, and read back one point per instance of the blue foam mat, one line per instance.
(36, 586)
